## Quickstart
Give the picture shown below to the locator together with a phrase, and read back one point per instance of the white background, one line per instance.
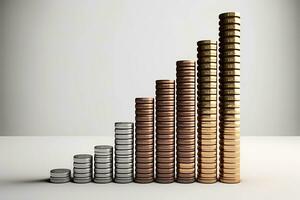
(75, 67)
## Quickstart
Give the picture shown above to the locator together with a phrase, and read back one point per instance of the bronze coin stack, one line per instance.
(165, 131)
(144, 148)
(186, 120)
(229, 38)
(207, 111)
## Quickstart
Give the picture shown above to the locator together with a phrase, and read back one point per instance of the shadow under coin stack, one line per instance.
(144, 140)
(207, 111)
(83, 164)
(60, 175)
(123, 152)
(186, 120)
(229, 27)
(165, 131)
(103, 161)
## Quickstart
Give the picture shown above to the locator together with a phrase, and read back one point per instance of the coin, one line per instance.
(207, 72)
(165, 180)
(208, 53)
(186, 85)
(207, 85)
(225, 27)
(161, 86)
(82, 158)
(82, 180)
(123, 125)
(232, 46)
(206, 47)
(185, 79)
(60, 179)
(185, 62)
(230, 53)
(60, 173)
(82, 165)
(230, 20)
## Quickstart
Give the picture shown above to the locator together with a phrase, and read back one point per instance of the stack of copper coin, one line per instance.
(165, 131)
(186, 118)
(144, 140)
(207, 111)
(229, 27)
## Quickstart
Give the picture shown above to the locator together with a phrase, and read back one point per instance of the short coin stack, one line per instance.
(207, 111)
(144, 140)
(123, 152)
(60, 175)
(103, 164)
(165, 131)
(186, 120)
(82, 171)
(229, 97)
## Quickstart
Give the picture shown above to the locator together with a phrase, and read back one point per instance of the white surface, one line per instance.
(269, 170)
(74, 67)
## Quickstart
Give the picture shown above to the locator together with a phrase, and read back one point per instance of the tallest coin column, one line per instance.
(229, 27)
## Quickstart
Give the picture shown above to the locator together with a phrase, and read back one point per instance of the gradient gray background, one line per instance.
(75, 67)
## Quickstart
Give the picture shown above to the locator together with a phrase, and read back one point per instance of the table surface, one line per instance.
(269, 170)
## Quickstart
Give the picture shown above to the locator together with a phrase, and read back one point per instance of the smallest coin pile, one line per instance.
(82, 171)
(123, 152)
(103, 161)
(60, 175)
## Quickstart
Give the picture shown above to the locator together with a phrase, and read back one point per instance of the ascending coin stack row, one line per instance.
(229, 32)
(144, 140)
(165, 131)
(207, 111)
(103, 164)
(186, 120)
(83, 168)
(124, 152)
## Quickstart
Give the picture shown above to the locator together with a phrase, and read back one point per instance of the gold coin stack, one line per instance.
(207, 111)
(165, 131)
(144, 140)
(186, 120)
(229, 32)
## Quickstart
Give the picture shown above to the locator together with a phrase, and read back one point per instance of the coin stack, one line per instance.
(165, 131)
(82, 171)
(103, 164)
(207, 111)
(229, 27)
(123, 152)
(186, 120)
(60, 175)
(144, 140)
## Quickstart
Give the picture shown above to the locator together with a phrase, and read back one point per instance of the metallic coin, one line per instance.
(230, 104)
(211, 46)
(207, 53)
(207, 85)
(226, 111)
(165, 154)
(209, 147)
(124, 160)
(208, 171)
(82, 170)
(185, 97)
(202, 66)
(189, 166)
(186, 79)
(144, 136)
(82, 158)
(144, 180)
(161, 86)
(181, 91)
(206, 180)
(144, 112)
(206, 165)
(165, 108)
(144, 165)
(103, 165)
(185, 141)
(186, 175)
(103, 170)
(165, 118)
(165, 159)
(230, 53)
(144, 147)
(230, 181)
(185, 154)
(206, 42)
(145, 159)
(82, 180)
(144, 124)
(165, 165)
(82, 165)
(185, 180)
(165, 180)
(230, 171)
(209, 142)
(144, 100)
(230, 154)
(207, 104)
(165, 170)
(124, 142)
(165, 124)
(103, 180)
(186, 160)
(186, 124)
(123, 131)
(186, 136)
(229, 27)
(147, 106)
(229, 142)
(229, 124)
(207, 124)
(123, 146)
(225, 86)
(208, 59)
(164, 147)
(167, 131)
(123, 170)
(82, 175)
(165, 103)
(228, 15)
(229, 59)
(186, 130)
(209, 160)
(123, 165)
(124, 125)
(209, 97)
(165, 97)
(229, 148)
(208, 91)
(124, 175)
(206, 131)
(209, 175)
(124, 152)
(230, 97)
(232, 46)
(223, 175)
(165, 92)
(60, 173)
(183, 85)
(230, 137)
(123, 136)
(144, 142)
(60, 179)
(164, 175)
(185, 170)
(234, 91)
(228, 40)
(229, 165)
(165, 113)
(185, 119)
(165, 81)
(186, 108)
(230, 20)
(149, 170)
(185, 63)
(165, 141)
(103, 149)
(227, 66)
(103, 175)
(123, 180)
(229, 33)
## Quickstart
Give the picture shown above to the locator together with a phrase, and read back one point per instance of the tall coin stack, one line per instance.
(123, 152)
(186, 120)
(207, 111)
(165, 131)
(82, 171)
(229, 27)
(103, 161)
(144, 140)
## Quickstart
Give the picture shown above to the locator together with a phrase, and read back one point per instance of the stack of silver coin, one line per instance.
(103, 164)
(60, 175)
(123, 152)
(82, 171)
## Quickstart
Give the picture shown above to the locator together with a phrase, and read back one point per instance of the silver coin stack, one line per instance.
(82, 171)
(103, 164)
(123, 152)
(60, 175)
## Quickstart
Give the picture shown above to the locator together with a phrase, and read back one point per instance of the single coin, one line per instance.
(165, 113)
(208, 97)
(229, 124)
(124, 175)
(225, 27)
(229, 59)
(186, 91)
(185, 170)
(234, 91)
(207, 85)
(144, 159)
(103, 171)
(229, 142)
(103, 180)
(212, 176)
(207, 131)
(186, 124)
(123, 165)
(206, 165)
(146, 106)
(207, 59)
(208, 171)
(229, 148)
(207, 180)
(103, 165)
(207, 104)
(82, 165)
(144, 180)
(228, 40)
(229, 14)
(234, 154)
(202, 66)
(230, 181)
(144, 147)
(124, 125)
(183, 69)
(206, 135)
(185, 141)
(104, 175)
(186, 136)
(227, 66)
(123, 180)
(123, 170)
(165, 141)
(209, 147)
(185, 97)
(60, 173)
(103, 149)
(183, 85)
(164, 86)
(207, 47)
(165, 147)
(231, 72)
(60, 179)
(123, 152)
(230, 53)
(230, 137)
(186, 119)
(165, 180)
(149, 170)
(144, 142)
(82, 158)
(230, 104)
(226, 111)
(124, 142)
(123, 146)
(230, 20)
(208, 160)
(206, 42)
(186, 108)
(143, 100)
(207, 72)
(165, 124)
(165, 92)
(123, 131)
(164, 137)
(209, 142)
(186, 130)
(124, 160)
(230, 97)
(165, 103)
(186, 175)
(165, 108)
(143, 112)
(229, 33)
(82, 180)
(123, 136)
(165, 159)
(165, 170)
(207, 53)
(229, 171)
(185, 79)
(145, 124)
(207, 124)
(144, 154)
(229, 165)
(165, 118)
(165, 81)
(185, 180)
(82, 175)
(231, 46)
(208, 91)
(185, 154)
(165, 165)
(186, 160)
(170, 131)
(185, 62)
